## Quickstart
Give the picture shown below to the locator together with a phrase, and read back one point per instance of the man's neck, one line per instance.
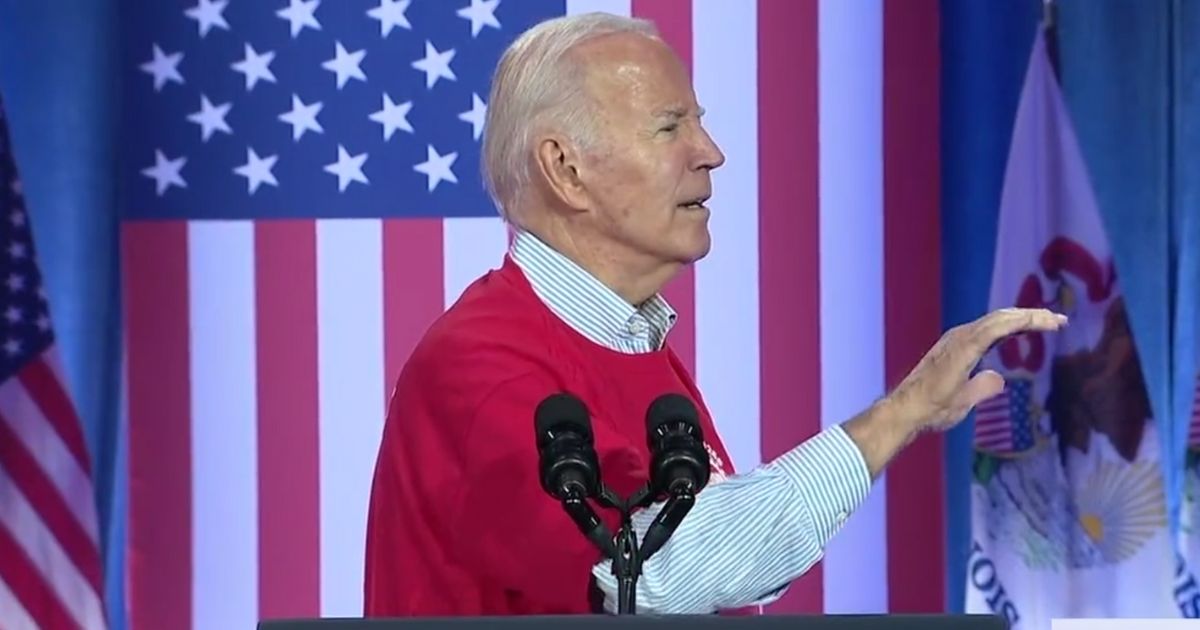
(634, 283)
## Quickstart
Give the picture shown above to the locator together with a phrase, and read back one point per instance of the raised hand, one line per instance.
(939, 392)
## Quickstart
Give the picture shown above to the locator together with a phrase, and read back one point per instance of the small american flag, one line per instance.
(1004, 423)
(50, 574)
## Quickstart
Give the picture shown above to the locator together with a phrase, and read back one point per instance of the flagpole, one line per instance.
(1050, 26)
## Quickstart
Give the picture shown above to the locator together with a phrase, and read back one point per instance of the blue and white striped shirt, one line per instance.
(746, 538)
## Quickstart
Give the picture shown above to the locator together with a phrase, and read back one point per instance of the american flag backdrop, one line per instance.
(50, 571)
(304, 198)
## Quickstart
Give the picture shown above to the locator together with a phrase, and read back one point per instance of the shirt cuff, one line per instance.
(772, 597)
(831, 476)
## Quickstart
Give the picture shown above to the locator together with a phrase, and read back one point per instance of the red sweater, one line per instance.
(458, 523)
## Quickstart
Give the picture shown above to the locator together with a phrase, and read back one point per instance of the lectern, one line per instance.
(653, 622)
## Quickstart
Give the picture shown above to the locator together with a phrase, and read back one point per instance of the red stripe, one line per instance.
(413, 288)
(49, 504)
(912, 296)
(285, 313)
(674, 21)
(160, 484)
(25, 581)
(789, 257)
(47, 391)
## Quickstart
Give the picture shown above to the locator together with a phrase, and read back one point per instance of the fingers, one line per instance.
(981, 387)
(1005, 322)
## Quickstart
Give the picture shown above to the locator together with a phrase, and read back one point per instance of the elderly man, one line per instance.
(595, 155)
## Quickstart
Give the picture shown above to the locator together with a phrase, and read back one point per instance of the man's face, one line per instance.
(650, 177)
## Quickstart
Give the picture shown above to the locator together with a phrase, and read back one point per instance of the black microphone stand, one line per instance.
(667, 521)
(623, 549)
(627, 565)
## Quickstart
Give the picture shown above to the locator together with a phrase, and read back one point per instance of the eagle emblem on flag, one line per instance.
(1094, 391)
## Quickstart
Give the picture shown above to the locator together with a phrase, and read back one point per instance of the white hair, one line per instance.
(538, 85)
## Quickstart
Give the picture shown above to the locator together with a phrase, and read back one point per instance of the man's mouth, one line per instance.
(694, 204)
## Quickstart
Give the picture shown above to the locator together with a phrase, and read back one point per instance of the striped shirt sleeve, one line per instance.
(747, 538)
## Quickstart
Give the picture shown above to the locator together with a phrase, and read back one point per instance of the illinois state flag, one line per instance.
(1068, 508)
(1187, 590)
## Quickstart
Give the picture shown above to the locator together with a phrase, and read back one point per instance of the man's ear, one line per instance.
(559, 162)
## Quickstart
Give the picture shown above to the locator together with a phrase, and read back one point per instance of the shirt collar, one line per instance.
(588, 305)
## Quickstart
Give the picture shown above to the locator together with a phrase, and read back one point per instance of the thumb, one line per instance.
(981, 387)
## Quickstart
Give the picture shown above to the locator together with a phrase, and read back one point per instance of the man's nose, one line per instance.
(709, 154)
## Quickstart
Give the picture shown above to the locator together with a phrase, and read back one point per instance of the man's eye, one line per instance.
(669, 128)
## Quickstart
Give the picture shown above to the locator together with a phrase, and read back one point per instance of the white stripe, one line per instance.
(224, 429)
(44, 445)
(53, 359)
(351, 383)
(851, 246)
(727, 291)
(12, 612)
(616, 7)
(77, 596)
(84, 510)
(471, 246)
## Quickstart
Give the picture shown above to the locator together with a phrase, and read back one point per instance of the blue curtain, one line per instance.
(1130, 70)
(58, 82)
(1132, 79)
(985, 48)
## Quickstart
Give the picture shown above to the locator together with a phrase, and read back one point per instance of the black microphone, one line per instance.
(678, 465)
(567, 462)
(678, 459)
(568, 466)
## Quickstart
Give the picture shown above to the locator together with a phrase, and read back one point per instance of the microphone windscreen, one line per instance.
(561, 412)
(672, 408)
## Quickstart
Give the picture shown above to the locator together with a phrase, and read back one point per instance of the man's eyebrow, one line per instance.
(676, 113)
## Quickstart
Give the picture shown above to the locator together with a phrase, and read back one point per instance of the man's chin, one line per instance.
(698, 249)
